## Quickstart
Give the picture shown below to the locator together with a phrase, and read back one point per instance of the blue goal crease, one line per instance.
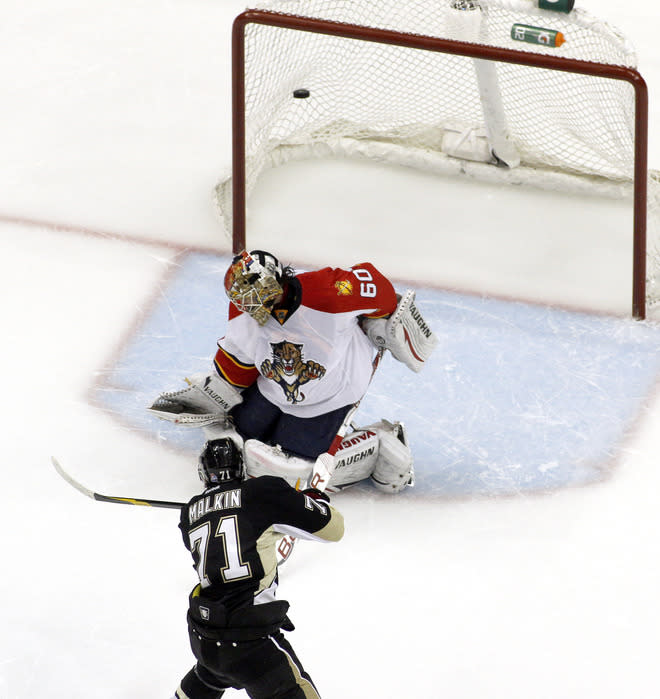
(516, 397)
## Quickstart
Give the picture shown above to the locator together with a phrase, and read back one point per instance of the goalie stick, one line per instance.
(324, 465)
(147, 502)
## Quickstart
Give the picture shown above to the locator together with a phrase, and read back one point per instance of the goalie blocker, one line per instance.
(405, 333)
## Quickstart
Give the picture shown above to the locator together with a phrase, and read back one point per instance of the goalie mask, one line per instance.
(220, 461)
(253, 283)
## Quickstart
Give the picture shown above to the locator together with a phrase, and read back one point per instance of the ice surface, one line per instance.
(498, 577)
(517, 397)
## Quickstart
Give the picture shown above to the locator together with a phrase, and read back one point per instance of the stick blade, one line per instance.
(145, 502)
(70, 480)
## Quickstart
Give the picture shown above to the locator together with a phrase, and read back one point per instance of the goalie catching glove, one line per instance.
(205, 401)
(405, 333)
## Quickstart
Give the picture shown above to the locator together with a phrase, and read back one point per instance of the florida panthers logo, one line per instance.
(288, 369)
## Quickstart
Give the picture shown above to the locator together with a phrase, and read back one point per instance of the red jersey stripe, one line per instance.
(234, 372)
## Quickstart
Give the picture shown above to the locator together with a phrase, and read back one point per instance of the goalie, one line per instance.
(297, 356)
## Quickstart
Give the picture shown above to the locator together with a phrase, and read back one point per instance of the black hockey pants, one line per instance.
(266, 668)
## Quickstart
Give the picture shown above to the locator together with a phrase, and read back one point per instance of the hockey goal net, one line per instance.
(495, 90)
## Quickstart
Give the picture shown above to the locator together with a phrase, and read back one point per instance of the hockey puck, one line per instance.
(301, 93)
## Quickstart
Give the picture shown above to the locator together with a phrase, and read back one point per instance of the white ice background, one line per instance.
(114, 129)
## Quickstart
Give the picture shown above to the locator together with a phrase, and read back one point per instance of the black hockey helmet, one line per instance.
(221, 460)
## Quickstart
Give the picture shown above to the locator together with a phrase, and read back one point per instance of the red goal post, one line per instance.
(482, 53)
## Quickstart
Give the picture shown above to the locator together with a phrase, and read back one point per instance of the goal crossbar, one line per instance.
(454, 47)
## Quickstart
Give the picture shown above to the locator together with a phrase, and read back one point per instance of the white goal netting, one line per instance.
(498, 122)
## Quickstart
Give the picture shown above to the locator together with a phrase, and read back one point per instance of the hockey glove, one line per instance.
(205, 401)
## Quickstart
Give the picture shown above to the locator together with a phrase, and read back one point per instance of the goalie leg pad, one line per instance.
(394, 467)
(265, 460)
(355, 459)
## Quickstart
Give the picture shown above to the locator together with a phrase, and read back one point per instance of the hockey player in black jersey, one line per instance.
(234, 622)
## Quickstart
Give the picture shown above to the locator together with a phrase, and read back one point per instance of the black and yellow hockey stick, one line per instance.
(146, 502)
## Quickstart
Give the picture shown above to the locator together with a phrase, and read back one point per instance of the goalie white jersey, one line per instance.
(311, 356)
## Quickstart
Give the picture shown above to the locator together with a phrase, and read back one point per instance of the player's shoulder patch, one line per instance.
(327, 289)
(344, 287)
